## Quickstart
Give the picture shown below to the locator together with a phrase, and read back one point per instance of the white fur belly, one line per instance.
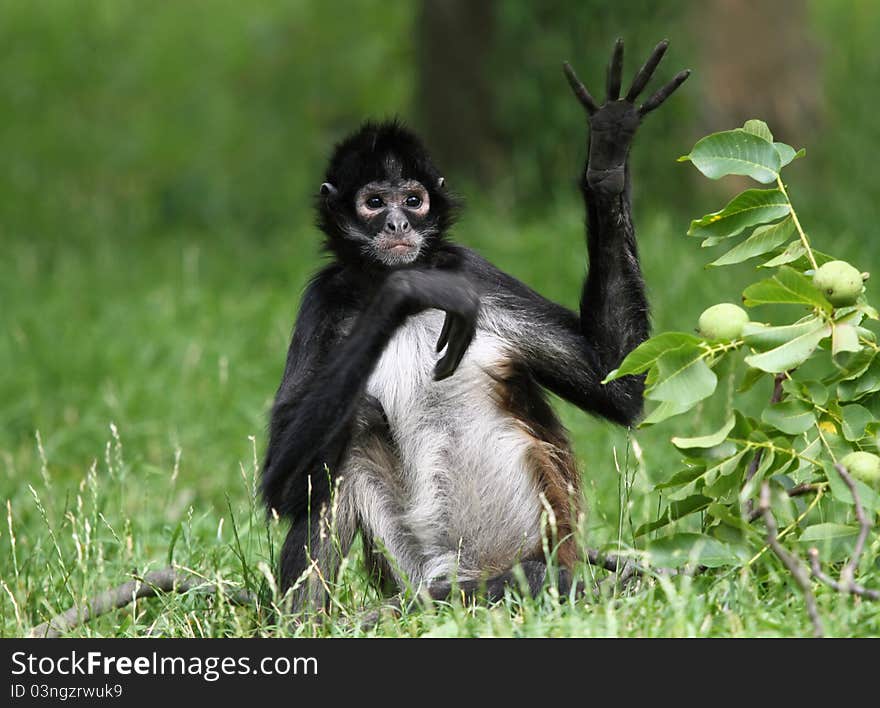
(469, 498)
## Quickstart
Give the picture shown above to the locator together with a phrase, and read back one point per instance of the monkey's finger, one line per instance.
(615, 72)
(643, 76)
(447, 365)
(664, 93)
(460, 337)
(580, 91)
(444, 333)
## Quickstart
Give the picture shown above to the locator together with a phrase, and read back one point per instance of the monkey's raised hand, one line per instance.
(613, 125)
(416, 291)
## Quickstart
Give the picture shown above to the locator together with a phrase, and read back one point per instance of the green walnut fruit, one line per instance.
(839, 282)
(863, 466)
(724, 321)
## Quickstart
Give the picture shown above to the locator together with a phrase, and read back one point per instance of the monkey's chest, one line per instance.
(417, 406)
(463, 460)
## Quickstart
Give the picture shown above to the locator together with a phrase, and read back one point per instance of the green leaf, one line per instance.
(763, 239)
(673, 512)
(722, 488)
(706, 441)
(682, 548)
(868, 382)
(749, 379)
(768, 459)
(869, 311)
(794, 251)
(706, 455)
(736, 152)
(834, 541)
(820, 532)
(791, 354)
(869, 499)
(787, 287)
(844, 338)
(750, 208)
(723, 513)
(682, 477)
(791, 417)
(867, 334)
(666, 409)
(712, 241)
(646, 354)
(816, 392)
(759, 128)
(682, 377)
(764, 337)
(808, 448)
(724, 468)
(787, 153)
(689, 481)
(855, 420)
(851, 365)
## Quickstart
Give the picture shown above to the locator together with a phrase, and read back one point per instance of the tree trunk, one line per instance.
(759, 60)
(454, 39)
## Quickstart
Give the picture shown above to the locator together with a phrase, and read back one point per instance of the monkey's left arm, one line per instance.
(571, 354)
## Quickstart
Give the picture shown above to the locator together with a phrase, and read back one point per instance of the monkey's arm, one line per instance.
(571, 354)
(327, 372)
(550, 341)
(613, 308)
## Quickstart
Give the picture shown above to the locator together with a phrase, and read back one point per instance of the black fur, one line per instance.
(352, 308)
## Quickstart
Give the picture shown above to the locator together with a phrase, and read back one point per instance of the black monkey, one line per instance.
(445, 464)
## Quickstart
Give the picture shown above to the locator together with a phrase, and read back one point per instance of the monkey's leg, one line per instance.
(534, 573)
(392, 550)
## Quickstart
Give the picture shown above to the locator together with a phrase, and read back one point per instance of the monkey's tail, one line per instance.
(154, 583)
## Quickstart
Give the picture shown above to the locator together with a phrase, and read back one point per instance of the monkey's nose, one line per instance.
(397, 225)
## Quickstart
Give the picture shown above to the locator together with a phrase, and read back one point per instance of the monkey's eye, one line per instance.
(413, 201)
(375, 202)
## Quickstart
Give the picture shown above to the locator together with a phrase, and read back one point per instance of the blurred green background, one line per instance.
(158, 159)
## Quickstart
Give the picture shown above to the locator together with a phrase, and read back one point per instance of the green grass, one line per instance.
(137, 375)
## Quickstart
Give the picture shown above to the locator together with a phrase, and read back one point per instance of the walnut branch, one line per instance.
(848, 571)
(151, 584)
(847, 583)
(801, 576)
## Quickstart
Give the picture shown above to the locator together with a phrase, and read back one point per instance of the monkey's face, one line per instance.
(393, 216)
(383, 201)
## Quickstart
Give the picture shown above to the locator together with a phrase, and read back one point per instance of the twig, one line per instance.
(801, 576)
(797, 223)
(848, 571)
(775, 397)
(853, 588)
(847, 583)
(152, 584)
(806, 488)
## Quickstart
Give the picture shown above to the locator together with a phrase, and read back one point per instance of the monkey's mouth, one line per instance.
(397, 247)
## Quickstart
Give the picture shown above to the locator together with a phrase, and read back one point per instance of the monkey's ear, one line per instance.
(328, 190)
(440, 182)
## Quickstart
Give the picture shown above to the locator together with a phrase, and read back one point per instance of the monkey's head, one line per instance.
(382, 199)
